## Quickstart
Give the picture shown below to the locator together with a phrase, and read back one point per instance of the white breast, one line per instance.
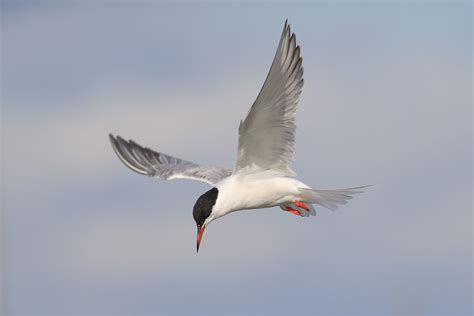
(242, 192)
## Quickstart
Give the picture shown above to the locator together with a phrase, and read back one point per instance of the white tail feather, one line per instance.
(330, 199)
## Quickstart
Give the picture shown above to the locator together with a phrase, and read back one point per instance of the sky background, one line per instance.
(387, 100)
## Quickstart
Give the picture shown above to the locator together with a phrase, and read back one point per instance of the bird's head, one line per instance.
(202, 212)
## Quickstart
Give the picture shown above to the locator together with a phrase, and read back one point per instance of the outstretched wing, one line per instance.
(267, 135)
(148, 162)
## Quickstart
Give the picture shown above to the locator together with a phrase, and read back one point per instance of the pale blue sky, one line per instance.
(387, 100)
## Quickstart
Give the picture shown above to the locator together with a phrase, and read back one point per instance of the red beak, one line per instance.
(200, 231)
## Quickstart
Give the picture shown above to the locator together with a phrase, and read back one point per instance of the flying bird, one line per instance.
(261, 177)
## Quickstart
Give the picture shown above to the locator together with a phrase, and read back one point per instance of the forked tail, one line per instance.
(330, 199)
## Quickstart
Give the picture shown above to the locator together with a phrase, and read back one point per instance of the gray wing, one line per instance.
(148, 162)
(267, 135)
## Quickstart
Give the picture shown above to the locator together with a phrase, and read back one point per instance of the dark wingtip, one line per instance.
(120, 139)
(112, 139)
(115, 144)
(285, 28)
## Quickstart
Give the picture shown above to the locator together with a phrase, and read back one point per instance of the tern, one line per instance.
(261, 177)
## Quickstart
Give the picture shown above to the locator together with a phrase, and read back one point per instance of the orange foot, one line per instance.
(292, 210)
(301, 205)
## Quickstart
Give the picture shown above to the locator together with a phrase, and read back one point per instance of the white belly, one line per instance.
(254, 191)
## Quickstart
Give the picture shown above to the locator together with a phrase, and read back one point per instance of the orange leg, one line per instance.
(292, 211)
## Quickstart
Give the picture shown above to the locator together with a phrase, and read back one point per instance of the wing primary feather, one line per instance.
(127, 151)
(267, 134)
(148, 162)
(124, 159)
